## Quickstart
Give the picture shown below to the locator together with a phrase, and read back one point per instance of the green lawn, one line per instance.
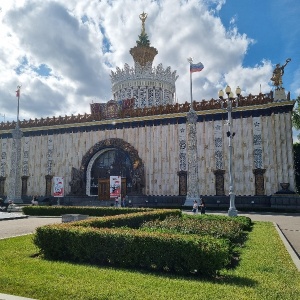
(265, 271)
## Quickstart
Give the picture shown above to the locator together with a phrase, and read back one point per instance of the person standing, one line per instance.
(202, 207)
(34, 200)
(195, 207)
(117, 202)
(123, 201)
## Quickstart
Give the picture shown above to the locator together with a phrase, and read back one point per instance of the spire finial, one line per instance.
(143, 17)
(142, 52)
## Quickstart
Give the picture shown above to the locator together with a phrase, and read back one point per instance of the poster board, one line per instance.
(115, 186)
(58, 187)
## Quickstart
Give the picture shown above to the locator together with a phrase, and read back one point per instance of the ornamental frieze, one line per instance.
(122, 112)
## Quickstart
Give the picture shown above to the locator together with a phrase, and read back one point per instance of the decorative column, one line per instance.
(2, 184)
(219, 182)
(192, 175)
(182, 166)
(182, 183)
(24, 185)
(259, 181)
(14, 187)
(48, 185)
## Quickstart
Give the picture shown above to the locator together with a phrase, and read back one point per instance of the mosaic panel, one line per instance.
(219, 159)
(123, 94)
(25, 170)
(257, 143)
(182, 147)
(143, 97)
(3, 158)
(218, 137)
(150, 97)
(257, 139)
(257, 158)
(135, 95)
(128, 93)
(166, 99)
(49, 155)
(157, 97)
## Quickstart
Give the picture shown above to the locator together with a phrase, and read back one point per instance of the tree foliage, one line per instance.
(143, 40)
(296, 114)
(296, 147)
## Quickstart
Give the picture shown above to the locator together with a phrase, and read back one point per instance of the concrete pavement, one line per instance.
(14, 225)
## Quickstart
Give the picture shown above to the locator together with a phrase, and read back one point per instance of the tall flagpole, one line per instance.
(18, 91)
(14, 192)
(190, 60)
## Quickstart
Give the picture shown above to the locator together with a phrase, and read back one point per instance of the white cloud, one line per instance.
(78, 40)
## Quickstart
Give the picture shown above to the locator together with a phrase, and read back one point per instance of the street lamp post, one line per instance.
(232, 212)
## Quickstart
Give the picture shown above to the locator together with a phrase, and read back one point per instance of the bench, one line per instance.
(14, 208)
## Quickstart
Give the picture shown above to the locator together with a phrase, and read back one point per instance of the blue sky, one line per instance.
(275, 28)
(62, 52)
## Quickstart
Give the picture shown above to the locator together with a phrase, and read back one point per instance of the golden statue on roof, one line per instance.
(278, 73)
(143, 53)
(143, 17)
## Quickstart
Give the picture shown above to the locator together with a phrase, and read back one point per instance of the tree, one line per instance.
(296, 115)
(296, 148)
(143, 40)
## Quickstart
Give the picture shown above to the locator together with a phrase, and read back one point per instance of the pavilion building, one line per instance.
(141, 135)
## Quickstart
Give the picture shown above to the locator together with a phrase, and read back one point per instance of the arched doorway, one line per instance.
(112, 157)
(110, 162)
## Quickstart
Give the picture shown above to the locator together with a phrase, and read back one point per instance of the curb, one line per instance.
(288, 247)
(11, 297)
(14, 218)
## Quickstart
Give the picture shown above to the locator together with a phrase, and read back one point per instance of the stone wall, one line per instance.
(263, 139)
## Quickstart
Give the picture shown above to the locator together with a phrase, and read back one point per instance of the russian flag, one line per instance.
(196, 67)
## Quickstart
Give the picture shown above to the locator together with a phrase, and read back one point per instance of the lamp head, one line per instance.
(221, 94)
(228, 90)
(238, 91)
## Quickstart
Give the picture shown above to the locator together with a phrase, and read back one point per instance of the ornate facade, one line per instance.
(141, 136)
(157, 139)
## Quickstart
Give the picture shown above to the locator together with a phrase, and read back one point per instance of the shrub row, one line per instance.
(133, 220)
(114, 240)
(84, 210)
(245, 222)
(201, 226)
(125, 247)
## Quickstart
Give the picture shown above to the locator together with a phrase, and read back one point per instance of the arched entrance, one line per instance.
(106, 163)
(112, 157)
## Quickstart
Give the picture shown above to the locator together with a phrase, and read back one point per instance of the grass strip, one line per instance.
(265, 271)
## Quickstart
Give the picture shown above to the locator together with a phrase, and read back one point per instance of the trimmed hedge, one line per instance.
(84, 210)
(99, 241)
(245, 222)
(181, 254)
(133, 220)
(231, 230)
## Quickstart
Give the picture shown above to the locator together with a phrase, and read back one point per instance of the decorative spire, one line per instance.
(142, 53)
(143, 18)
(143, 37)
